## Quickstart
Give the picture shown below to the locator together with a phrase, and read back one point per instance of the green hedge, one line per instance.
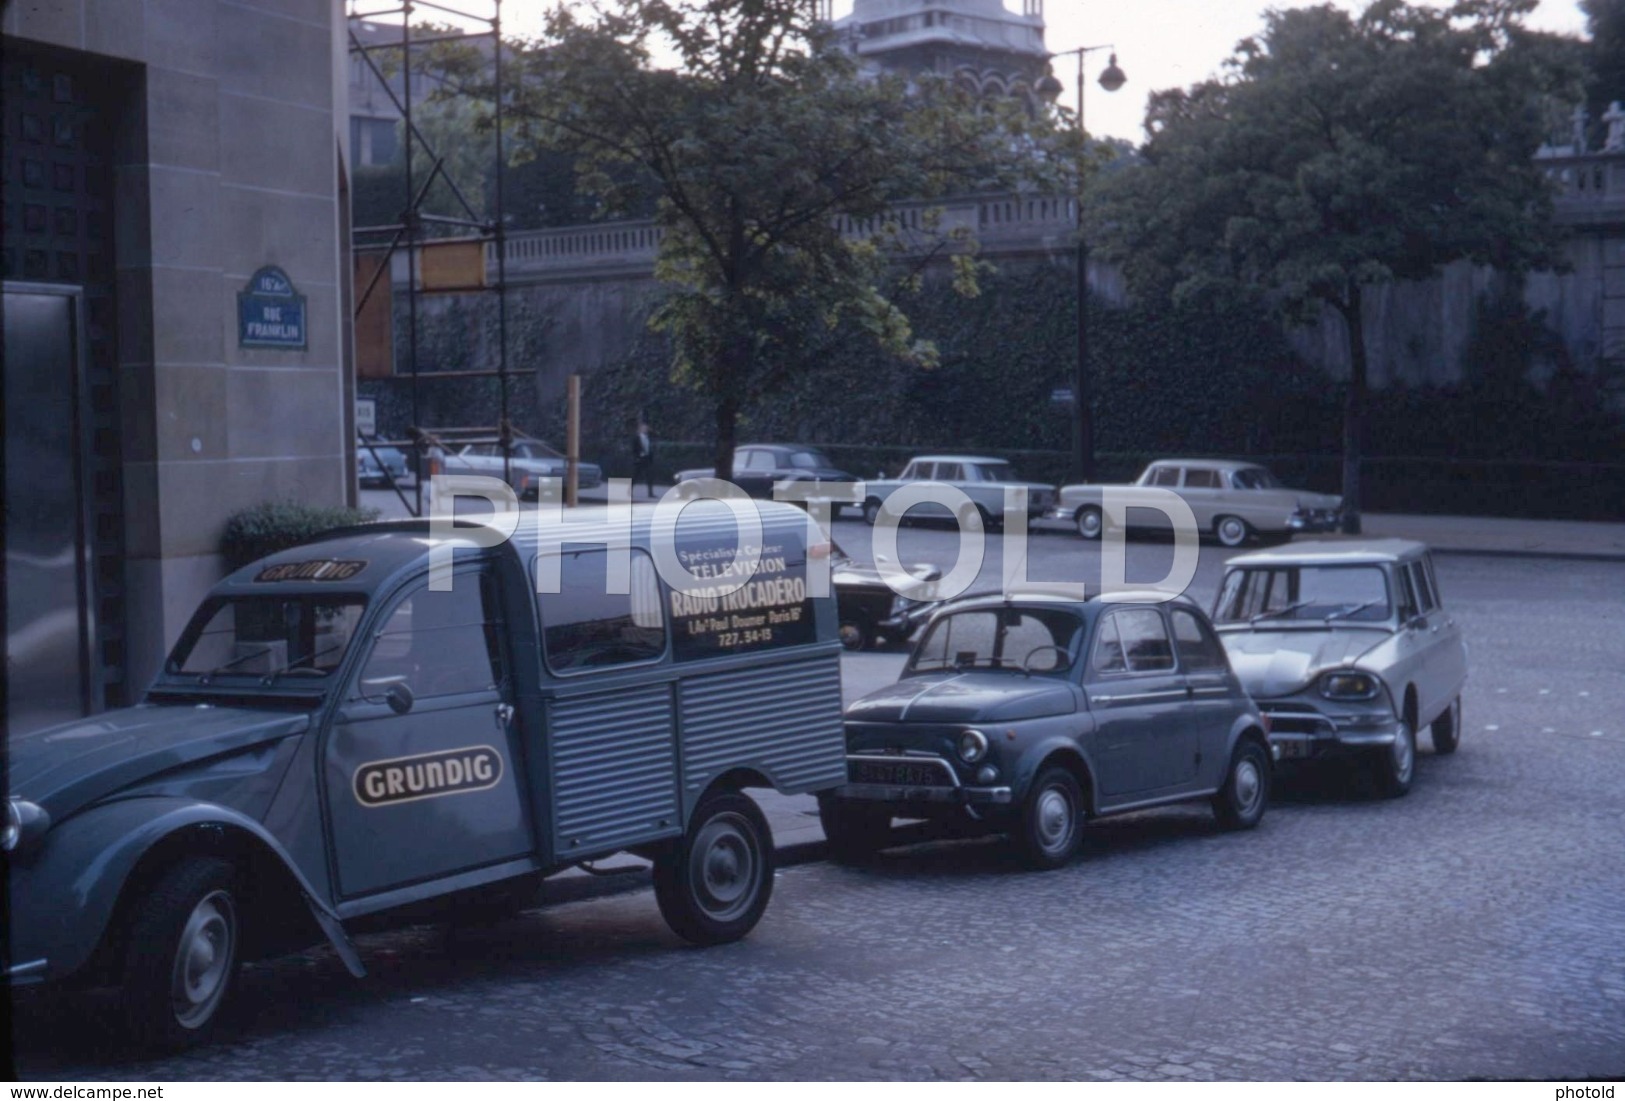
(277, 525)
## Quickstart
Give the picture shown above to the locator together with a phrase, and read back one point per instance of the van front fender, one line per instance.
(64, 896)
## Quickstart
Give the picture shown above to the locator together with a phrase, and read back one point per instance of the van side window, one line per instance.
(437, 643)
(585, 626)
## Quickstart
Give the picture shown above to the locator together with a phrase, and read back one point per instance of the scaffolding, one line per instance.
(409, 233)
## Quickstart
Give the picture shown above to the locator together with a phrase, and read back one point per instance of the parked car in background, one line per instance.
(870, 611)
(1030, 714)
(758, 467)
(982, 479)
(529, 461)
(1348, 650)
(1232, 501)
(378, 466)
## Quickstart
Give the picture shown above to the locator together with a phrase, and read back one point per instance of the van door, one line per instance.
(434, 790)
(611, 715)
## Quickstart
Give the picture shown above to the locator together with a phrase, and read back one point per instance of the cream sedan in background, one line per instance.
(1232, 501)
(1348, 651)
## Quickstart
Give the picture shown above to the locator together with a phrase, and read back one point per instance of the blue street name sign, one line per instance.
(270, 313)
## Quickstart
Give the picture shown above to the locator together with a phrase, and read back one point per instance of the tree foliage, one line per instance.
(1339, 152)
(761, 152)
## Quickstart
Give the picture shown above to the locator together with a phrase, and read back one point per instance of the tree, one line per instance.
(1340, 152)
(757, 150)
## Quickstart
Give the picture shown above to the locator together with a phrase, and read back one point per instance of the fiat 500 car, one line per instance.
(1348, 650)
(1031, 714)
(398, 722)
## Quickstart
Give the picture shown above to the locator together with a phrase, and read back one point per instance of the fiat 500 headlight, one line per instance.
(1345, 684)
(972, 746)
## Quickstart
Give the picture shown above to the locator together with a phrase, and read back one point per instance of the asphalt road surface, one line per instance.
(1474, 929)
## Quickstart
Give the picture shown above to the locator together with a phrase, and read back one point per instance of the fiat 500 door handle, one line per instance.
(504, 714)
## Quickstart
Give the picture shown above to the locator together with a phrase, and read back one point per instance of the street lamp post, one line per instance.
(1083, 428)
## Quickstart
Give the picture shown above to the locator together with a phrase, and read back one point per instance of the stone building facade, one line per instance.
(176, 321)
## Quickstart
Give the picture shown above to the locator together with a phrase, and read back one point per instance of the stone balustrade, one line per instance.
(1590, 186)
(1002, 226)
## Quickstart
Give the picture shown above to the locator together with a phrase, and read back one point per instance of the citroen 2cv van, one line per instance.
(395, 718)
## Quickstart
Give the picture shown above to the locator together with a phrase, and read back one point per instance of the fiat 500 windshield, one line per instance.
(268, 637)
(1032, 640)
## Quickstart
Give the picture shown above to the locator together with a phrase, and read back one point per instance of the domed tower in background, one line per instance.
(980, 44)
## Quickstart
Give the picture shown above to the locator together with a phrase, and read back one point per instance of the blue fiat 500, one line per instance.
(1032, 714)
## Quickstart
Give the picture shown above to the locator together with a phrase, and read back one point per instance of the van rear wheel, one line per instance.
(714, 884)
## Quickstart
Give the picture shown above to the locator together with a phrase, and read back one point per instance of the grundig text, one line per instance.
(449, 772)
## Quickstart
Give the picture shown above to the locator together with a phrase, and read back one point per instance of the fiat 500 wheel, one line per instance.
(714, 884)
(1240, 804)
(1051, 825)
(1446, 729)
(1090, 523)
(183, 954)
(1231, 531)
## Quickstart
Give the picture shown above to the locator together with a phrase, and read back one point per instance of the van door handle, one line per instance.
(504, 714)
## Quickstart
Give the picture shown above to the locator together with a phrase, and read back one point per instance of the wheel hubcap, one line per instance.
(1054, 819)
(203, 959)
(1231, 532)
(851, 637)
(1249, 786)
(1089, 525)
(724, 868)
(1403, 755)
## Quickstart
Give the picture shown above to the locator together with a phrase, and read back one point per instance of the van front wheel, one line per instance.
(183, 955)
(714, 884)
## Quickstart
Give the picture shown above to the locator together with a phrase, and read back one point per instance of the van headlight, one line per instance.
(1345, 684)
(972, 746)
(25, 825)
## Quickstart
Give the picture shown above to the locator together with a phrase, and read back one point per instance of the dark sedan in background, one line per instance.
(758, 467)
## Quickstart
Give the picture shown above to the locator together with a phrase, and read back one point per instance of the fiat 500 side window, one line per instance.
(1198, 650)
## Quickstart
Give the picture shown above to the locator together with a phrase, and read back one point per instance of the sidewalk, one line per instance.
(1491, 535)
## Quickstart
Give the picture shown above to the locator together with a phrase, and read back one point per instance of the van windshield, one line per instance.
(268, 636)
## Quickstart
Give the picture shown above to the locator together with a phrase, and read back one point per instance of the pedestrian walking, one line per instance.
(643, 458)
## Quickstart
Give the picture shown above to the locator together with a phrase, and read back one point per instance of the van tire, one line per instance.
(183, 953)
(713, 885)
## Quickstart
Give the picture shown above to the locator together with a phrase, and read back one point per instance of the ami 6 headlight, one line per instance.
(1347, 684)
(972, 746)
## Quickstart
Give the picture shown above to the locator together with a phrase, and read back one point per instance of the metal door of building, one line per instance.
(49, 614)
